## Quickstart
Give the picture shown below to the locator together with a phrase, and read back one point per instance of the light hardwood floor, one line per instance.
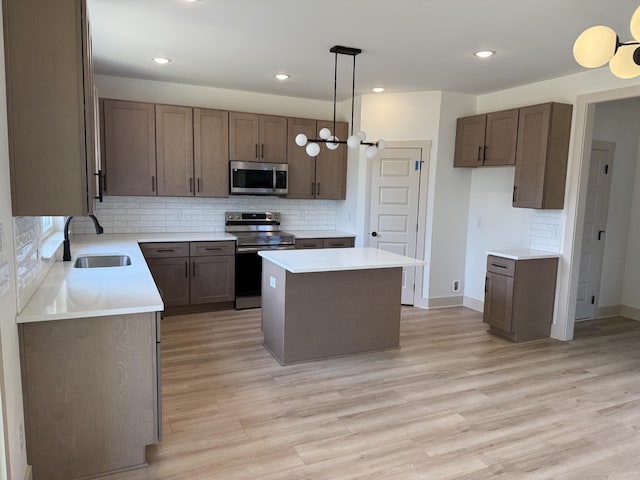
(453, 403)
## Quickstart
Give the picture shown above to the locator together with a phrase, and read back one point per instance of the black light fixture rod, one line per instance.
(353, 91)
(335, 88)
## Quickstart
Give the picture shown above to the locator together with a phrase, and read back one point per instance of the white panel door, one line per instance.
(393, 223)
(595, 221)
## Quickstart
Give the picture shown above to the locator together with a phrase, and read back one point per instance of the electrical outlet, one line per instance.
(455, 286)
(272, 282)
(21, 436)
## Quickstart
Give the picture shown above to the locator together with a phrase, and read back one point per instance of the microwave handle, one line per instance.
(274, 178)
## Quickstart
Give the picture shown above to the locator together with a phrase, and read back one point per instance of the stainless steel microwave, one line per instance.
(254, 178)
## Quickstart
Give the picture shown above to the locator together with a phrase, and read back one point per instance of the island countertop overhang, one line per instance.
(336, 259)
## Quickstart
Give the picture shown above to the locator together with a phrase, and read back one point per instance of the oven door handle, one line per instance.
(260, 249)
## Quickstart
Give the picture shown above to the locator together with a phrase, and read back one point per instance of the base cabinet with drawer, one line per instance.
(519, 297)
(338, 242)
(192, 273)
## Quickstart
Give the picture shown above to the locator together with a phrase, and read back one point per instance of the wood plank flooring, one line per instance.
(453, 403)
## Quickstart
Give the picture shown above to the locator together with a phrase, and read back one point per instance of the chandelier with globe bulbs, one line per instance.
(325, 136)
(599, 45)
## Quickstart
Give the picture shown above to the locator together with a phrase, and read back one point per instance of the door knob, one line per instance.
(374, 234)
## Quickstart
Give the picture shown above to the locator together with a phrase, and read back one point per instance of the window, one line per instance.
(47, 226)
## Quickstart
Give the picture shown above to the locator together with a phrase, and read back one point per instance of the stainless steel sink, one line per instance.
(99, 261)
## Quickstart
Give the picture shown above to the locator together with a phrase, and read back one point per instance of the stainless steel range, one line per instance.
(254, 231)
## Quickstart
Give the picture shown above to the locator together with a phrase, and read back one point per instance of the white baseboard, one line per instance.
(608, 311)
(473, 303)
(445, 302)
(630, 312)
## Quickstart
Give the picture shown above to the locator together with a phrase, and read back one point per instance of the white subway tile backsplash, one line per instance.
(546, 230)
(174, 214)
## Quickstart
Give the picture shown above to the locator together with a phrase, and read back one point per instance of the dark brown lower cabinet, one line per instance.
(519, 297)
(172, 279)
(192, 273)
(91, 394)
(341, 242)
(212, 279)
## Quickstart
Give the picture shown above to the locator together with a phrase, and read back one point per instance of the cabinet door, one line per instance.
(498, 301)
(174, 151)
(243, 136)
(211, 152)
(302, 167)
(331, 166)
(470, 141)
(172, 279)
(273, 139)
(500, 138)
(48, 83)
(212, 279)
(542, 155)
(129, 148)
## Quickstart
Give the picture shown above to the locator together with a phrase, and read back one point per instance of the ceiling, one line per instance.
(408, 45)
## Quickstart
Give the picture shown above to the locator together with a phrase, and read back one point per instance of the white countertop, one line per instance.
(69, 292)
(523, 254)
(334, 259)
(319, 233)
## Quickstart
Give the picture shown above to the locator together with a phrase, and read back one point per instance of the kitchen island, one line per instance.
(331, 302)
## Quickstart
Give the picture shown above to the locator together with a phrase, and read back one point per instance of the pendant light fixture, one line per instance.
(325, 136)
(599, 45)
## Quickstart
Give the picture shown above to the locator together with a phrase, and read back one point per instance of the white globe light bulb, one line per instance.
(324, 133)
(635, 24)
(381, 144)
(301, 139)
(371, 152)
(595, 46)
(313, 149)
(362, 136)
(333, 146)
(622, 64)
(353, 141)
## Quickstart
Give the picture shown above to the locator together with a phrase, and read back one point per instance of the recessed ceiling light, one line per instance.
(281, 76)
(378, 89)
(484, 53)
(161, 60)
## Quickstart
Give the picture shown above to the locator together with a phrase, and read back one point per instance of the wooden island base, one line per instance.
(309, 316)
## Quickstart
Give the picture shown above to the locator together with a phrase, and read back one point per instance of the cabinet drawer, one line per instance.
(309, 243)
(501, 265)
(343, 242)
(205, 249)
(165, 249)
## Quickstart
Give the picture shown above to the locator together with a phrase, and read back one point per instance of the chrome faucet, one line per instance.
(66, 255)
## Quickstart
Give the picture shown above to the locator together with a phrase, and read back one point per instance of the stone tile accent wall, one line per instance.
(173, 214)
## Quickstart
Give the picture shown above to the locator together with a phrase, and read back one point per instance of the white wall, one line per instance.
(631, 283)
(10, 385)
(618, 122)
(209, 97)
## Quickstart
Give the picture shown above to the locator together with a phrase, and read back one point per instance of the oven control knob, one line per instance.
(230, 217)
(268, 217)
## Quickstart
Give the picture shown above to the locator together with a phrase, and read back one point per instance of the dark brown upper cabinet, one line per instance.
(542, 155)
(257, 138)
(486, 140)
(129, 148)
(174, 151)
(211, 152)
(50, 107)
